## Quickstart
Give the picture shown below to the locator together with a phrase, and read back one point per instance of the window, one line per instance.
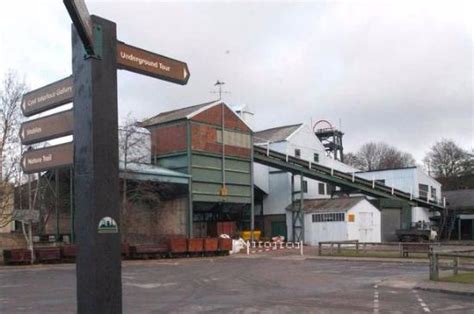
(423, 191)
(433, 193)
(316, 157)
(305, 186)
(298, 153)
(380, 181)
(321, 188)
(329, 189)
(329, 217)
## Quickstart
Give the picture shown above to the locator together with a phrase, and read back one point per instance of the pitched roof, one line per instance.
(277, 134)
(177, 114)
(460, 199)
(342, 204)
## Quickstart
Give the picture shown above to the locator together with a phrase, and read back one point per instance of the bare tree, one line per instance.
(446, 159)
(378, 156)
(134, 146)
(11, 92)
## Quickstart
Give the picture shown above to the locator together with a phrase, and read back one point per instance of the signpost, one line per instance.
(151, 64)
(95, 130)
(82, 21)
(43, 129)
(47, 97)
(38, 160)
(26, 215)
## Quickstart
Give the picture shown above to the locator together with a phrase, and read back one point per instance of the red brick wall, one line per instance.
(214, 116)
(168, 139)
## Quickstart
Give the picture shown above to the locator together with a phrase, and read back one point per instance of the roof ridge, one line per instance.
(281, 127)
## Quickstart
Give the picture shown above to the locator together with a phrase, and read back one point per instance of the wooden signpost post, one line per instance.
(96, 57)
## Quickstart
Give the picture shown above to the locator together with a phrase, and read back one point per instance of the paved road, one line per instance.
(257, 284)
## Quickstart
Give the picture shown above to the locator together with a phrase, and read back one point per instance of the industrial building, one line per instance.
(341, 219)
(208, 168)
(460, 217)
(213, 145)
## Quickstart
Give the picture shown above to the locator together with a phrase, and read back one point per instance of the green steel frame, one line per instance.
(350, 181)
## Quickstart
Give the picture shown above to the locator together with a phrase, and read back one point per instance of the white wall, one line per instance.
(260, 176)
(280, 184)
(323, 231)
(367, 226)
(401, 179)
(407, 180)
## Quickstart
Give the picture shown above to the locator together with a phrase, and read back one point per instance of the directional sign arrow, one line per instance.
(51, 157)
(43, 129)
(151, 64)
(48, 97)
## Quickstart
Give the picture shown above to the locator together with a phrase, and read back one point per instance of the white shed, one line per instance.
(341, 219)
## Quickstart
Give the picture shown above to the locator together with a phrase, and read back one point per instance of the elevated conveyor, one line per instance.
(311, 170)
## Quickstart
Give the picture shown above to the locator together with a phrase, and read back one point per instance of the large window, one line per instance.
(321, 189)
(329, 217)
(423, 191)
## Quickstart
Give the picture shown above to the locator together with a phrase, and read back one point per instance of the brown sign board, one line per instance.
(151, 64)
(46, 128)
(47, 158)
(26, 215)
(47, 97)
(81, 19)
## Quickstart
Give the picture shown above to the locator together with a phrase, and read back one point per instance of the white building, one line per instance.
(341, 219)
(274, 186)
(294, 140)
(411, 180)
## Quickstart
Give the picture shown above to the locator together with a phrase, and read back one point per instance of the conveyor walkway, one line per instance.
(308, 169)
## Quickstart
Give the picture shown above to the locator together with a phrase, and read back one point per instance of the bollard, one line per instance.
(248, 248)
(455, 265)
(434, 268)
(301, 248)
(339, 248)
(320, 249)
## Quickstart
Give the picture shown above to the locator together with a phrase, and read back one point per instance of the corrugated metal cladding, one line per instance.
(193, 144)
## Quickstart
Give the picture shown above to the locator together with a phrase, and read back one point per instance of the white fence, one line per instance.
(267, 246)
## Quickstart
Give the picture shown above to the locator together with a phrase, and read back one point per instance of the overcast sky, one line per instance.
(394, 71)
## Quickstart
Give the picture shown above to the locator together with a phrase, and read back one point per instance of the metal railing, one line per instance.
(314, 170)
(363, 248)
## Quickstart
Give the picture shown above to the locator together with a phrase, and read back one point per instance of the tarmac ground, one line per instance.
(262, 283)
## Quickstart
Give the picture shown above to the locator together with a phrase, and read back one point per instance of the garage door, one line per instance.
(391, 218)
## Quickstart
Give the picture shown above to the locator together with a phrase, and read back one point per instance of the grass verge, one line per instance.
(460, 278)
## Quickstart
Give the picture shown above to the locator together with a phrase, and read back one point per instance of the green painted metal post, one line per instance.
(293, 218)
(190, 182)
(252, 192)
(56, 201)
(300, 212)
(71, 200)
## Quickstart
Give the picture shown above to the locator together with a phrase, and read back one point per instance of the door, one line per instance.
(366, 226)
(391, 221)
(279, 229)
